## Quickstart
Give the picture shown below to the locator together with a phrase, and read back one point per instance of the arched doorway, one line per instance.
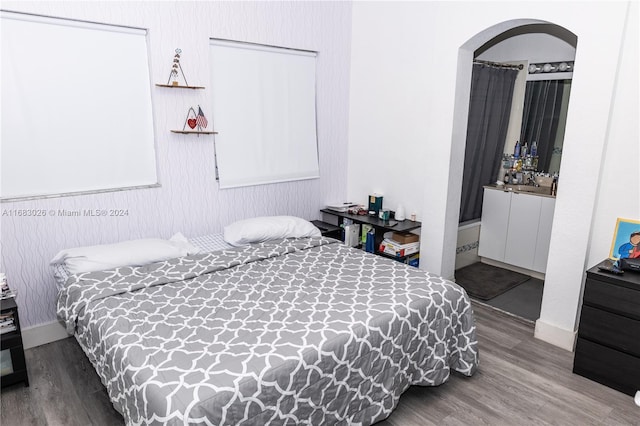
(503, 33)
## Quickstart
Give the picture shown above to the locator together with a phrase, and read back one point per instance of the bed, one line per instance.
(287, 331)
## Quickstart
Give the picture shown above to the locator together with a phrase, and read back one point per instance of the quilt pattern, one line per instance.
(303, 331)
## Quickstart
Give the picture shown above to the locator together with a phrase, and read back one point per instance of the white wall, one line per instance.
(407, 112)
(467, 245)
(189, 200)
(619, 190)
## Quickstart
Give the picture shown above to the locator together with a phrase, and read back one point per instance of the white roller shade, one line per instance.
(264, 110)
(76, 107)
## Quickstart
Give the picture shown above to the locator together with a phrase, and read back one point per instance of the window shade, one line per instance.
(264, 110)
(76, 107)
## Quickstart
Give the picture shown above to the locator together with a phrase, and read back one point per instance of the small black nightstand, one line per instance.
(13, 364)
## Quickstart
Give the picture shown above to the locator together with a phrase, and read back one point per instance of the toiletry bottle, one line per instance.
(524, 150)
(534, 149)
(516, 150)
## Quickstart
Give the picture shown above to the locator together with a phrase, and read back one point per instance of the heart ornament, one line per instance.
(191, 123)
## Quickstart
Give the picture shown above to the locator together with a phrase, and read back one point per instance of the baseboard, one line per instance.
(565, 339)
(42, 334)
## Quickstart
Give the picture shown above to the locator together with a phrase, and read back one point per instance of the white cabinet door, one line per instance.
(522, 231)
(544, 234)
(493, 228)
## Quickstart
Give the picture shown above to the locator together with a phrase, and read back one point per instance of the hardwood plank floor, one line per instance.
(521, 381)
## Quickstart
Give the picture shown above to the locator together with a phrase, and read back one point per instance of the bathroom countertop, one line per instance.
(509, 188)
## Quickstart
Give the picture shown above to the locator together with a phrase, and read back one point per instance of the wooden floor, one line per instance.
(521, 381)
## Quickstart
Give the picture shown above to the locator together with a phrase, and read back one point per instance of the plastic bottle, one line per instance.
(516, 150)
(534, 149)
(524, 150)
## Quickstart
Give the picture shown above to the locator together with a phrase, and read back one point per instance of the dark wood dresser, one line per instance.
(608, 347)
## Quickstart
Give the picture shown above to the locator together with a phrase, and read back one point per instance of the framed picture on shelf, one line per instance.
(626, 239)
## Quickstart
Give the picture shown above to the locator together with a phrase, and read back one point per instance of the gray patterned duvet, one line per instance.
(303, 331)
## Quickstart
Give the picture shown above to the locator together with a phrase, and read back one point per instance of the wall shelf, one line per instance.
(172, 86)
(187, 132)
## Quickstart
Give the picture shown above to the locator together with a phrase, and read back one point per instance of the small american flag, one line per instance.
(201, 120)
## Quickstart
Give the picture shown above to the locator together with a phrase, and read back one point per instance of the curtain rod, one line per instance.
(498, 65)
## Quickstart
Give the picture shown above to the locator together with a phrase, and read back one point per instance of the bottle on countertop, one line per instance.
(524, 150)
(516, 150)
(534, 149)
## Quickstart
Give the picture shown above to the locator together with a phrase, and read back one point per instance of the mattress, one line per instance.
(297, 331)
(206, 244)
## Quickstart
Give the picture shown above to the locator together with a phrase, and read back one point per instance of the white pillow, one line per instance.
(126, 253)
(259, 229)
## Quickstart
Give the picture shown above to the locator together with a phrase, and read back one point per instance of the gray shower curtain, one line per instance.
(489, 111)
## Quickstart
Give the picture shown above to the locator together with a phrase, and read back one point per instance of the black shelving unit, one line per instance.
(12, 348)
(380, 226)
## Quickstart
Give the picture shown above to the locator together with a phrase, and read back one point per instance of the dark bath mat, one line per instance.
(485, 282)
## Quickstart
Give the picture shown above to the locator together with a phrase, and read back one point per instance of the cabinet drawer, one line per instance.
(11, 340)
(611, 330)
(607, 366)
(613, 298)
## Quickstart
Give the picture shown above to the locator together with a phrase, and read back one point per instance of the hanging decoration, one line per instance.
(173, 76)
(191, 119)
(201, 120)
(195, 122)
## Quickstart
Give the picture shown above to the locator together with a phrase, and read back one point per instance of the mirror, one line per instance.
(543, 121)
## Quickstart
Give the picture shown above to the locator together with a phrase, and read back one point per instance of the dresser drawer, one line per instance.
(607, 366)
(11, 340)
(621, 300)
(611, 330)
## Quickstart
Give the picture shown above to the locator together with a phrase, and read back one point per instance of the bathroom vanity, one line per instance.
(516, 226)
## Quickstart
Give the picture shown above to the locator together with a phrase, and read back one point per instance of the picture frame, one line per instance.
(626, 239)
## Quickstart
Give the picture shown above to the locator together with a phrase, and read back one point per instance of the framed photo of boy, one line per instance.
(626, 239)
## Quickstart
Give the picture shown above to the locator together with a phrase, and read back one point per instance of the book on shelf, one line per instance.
(340, 207)
(399, 250)
(7, 329)
(8, 295)
(5, 291)
(7, 324)
(364, 230)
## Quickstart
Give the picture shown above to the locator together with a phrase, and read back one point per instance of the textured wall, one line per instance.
(189, 200)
